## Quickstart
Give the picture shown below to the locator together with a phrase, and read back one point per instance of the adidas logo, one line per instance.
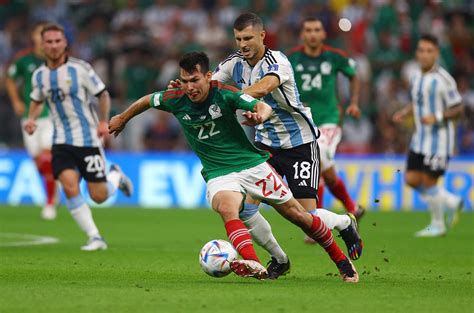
(186, 118)
(242, 81)
(302, 183)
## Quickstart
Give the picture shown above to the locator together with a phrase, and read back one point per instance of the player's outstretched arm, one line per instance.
(118, 122)
(400, 115)
(104, 110)
(353, 108)
(35, 110)
(453, 112)
(13, 94)
(260, 114)
(263, 87)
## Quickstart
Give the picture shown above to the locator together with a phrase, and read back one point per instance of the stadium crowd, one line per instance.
(134, 46)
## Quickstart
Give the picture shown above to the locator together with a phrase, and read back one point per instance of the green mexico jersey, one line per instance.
(212, 129)
(316, 79)
(22, 70)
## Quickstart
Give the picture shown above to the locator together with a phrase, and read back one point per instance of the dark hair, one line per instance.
(311, 19)
(189, 62)
(52, 26)
(247, 19)
(430, 38)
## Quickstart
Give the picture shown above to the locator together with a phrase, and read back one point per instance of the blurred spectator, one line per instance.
(135, 46)
(163, 134)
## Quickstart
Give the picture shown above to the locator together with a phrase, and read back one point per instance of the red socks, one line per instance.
(241, 239)
(323, 235)
(43, 162)
(340, 192)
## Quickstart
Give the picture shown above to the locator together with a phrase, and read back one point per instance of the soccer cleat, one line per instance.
(347, 271)
(249, 268)
(453, 215)
(276, 269)
(359, 212)
(431, 231)
(352, 238)
(49, 212)
(125, 184)
(94, 244)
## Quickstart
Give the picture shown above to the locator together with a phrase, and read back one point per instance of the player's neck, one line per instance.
(313, 52)
(258, 56)
(53, 64)
(428, 69)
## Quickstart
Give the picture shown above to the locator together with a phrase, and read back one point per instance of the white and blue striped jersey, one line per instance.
(290, 124)
(66, 91)
(432, 93)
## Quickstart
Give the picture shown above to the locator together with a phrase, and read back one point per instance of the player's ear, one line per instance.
(209, 75)
(262, 34)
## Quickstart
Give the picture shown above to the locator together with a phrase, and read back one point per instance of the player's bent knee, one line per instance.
(98, 197)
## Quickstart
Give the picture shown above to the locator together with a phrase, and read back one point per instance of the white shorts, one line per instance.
(261, 182)
(41, 139)
(328, 141)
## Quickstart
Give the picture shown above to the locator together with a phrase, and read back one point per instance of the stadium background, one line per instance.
(135, 45)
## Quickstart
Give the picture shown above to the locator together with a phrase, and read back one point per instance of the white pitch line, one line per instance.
(25, 240)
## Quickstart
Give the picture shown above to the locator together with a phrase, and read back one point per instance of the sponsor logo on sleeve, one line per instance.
(273, 68)
(247, 98)
(156, 100)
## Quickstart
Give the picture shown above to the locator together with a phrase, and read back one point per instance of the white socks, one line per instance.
(82, 214)
(333, 220)
(436, 202)
(113, 180)
(261, 232)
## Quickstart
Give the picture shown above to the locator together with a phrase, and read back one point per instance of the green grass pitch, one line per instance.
(152, 266)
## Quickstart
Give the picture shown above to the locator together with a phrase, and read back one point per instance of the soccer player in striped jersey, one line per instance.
(38, 146)
(435, 104)
(64, 84)
(289, 135)
(232, 166)
(316, 67)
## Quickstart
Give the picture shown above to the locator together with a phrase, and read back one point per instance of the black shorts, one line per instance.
(432, 164)
(300, 167)
(87, 160)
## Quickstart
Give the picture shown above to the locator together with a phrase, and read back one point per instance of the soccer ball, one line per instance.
(215, 257)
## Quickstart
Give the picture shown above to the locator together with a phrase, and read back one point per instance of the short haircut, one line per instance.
(311, 19)
(52, 26)
(247, 19)
(189, 62)
(430, 38)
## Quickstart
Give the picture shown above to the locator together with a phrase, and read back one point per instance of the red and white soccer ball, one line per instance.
(215, 257)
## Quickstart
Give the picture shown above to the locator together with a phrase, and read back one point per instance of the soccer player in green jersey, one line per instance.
(39, 144)
(233, 166)
(316, 67)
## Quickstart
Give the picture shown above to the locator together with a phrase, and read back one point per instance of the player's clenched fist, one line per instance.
(30, 126)
(116, 125)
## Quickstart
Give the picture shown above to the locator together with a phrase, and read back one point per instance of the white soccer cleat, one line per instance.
(125, 184)
(455, 214)
(249, 268)
(48, 213)
(94, 244)
(431, 231)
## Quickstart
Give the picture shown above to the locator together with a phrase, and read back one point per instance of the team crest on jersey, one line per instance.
(215, 111)
(325, 68)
